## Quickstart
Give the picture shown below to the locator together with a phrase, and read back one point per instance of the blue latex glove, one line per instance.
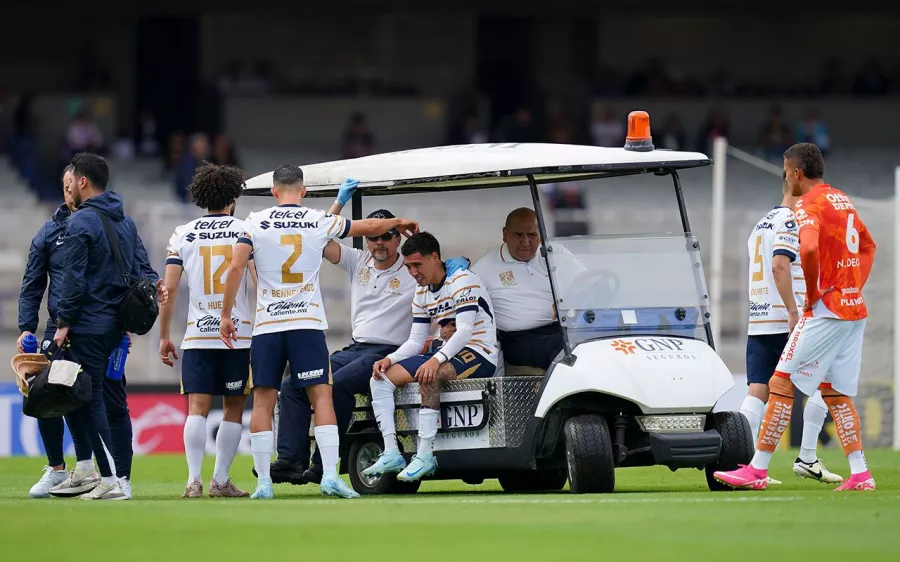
(345, 192)
(455, 264)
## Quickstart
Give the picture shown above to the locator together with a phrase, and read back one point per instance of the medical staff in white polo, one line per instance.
(517, 281)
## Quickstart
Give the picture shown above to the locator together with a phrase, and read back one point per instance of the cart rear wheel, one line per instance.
(737, 445)
(589, 456)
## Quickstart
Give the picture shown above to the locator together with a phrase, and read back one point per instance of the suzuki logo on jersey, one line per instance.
(216, 236)
(281, 308)
(265, 225)
(211, 323)
(213, 224)
(190, 237)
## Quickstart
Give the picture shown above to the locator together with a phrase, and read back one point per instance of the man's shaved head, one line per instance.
(521, 234)
(520, 214)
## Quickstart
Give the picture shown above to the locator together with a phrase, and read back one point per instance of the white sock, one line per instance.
(227, 440)
(383, 408)
(108, 480)
(761, 460)
(753, 409)
(813, 419)
(261, 447)
(327, 442)
(194, 446)
(857, 462)
(428, 426)
(84, 466)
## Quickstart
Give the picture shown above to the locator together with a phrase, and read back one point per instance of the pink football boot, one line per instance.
(744, 478)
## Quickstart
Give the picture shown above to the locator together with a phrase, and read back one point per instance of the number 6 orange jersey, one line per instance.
(837, 252)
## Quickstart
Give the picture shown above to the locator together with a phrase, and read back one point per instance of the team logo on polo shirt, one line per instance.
(507, 278)
(363, 276)
(394, 284)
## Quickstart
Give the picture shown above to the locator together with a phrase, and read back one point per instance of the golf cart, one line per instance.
(638, 379)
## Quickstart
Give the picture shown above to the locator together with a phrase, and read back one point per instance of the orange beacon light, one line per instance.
(639, 139)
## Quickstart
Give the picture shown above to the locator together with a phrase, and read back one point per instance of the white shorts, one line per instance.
(824, 350)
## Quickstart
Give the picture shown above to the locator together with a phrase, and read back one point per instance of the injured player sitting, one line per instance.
(470, 352)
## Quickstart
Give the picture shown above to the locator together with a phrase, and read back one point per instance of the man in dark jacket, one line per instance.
(93, 291)
(45, 261)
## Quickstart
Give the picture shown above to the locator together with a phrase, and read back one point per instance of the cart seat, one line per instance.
(510, 370)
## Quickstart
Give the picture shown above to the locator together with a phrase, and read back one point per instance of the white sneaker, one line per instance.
(102, 492)
(75, 484)
(125, 485)
(50, 479)
(816, 471)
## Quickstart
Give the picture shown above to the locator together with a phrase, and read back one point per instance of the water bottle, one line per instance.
(116, 367)
(30, 344)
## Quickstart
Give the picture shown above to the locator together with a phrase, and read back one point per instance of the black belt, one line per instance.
(547, 330)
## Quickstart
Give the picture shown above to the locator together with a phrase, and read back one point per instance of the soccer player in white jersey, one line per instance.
(776, 293)
(202, 248)
(471, 352)
(287, 242)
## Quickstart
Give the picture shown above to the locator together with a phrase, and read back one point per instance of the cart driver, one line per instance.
(518, 283)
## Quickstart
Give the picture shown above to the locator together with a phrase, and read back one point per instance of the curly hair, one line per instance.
(216, 187)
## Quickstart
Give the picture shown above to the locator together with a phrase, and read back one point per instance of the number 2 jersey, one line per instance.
(775, 234)
(287, 242)
(203, 247)
(844, 256)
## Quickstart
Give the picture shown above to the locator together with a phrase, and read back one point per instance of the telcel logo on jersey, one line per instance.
(211, 323)
(213, 224)
(281, 308)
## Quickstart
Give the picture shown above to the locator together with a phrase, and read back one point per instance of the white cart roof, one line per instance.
(478, 166)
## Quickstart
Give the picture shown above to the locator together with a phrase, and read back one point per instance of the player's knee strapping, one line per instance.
(846, 419)
(778, 412)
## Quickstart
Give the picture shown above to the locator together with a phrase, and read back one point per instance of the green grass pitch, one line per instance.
(654, 515)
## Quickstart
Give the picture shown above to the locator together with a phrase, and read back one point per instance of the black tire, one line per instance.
(363, 452)
(589, 456)
(529, 481)
(737, 445)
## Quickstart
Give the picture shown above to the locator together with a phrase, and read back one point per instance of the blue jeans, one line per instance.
(351, 370)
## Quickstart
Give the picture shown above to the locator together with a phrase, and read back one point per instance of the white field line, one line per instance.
(455, 500)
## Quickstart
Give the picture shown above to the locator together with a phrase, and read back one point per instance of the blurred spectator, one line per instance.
(518, 127)
(177, 148)
(716, 125)
(813, 130)
(473, 132)
(833, 82)
(561, 128)
(871, 80)
(672, 136)
(83, 134)
(775, 135)
(223, 151)
(606, 130)
(198, 151)
(357, 139)
(238, 78)
(123, 147)
(148, 145)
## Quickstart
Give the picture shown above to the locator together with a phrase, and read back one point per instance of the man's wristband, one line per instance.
(441, 357)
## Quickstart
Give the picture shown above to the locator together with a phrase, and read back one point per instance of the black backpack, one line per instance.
(139, 310)
(46, 399)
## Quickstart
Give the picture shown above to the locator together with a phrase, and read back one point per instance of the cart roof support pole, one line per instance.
(568, 358)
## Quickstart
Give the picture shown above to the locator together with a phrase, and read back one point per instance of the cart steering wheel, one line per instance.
(596, 288)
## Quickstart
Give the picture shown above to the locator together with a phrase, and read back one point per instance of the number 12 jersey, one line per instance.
(287, 242)
(203, 247)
